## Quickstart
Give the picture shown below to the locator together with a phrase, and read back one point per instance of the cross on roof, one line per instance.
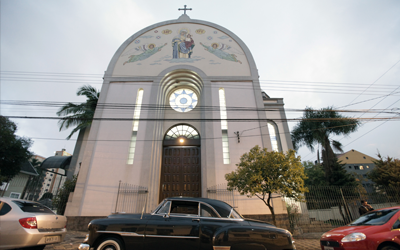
(185, 9)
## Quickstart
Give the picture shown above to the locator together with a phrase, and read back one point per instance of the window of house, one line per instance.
(356, 167)
(48, 184)
(367, 166)
(364, 157)
(361, 167)
(15, 195)
(347, 158)
(350, 167)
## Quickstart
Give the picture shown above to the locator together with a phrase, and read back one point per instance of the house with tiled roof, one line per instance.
(359, 164)
(16, 186)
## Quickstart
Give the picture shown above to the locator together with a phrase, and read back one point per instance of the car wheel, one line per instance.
(390, 248)
(110, 244)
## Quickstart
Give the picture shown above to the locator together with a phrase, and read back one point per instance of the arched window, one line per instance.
(274, 136)
(182, 131)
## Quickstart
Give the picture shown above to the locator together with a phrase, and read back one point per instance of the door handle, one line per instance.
(198, 220)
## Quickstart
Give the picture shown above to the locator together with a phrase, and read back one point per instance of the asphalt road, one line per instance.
(74, 238)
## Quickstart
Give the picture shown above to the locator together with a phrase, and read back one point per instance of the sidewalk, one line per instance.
(73, 239)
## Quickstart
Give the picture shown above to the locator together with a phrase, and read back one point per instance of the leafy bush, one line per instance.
(61, 199)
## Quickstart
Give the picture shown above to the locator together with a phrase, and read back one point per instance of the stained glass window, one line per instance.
(183, 100)
(182, 130)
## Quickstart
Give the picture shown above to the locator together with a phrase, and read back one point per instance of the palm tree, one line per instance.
(316, 127)
(79, 115)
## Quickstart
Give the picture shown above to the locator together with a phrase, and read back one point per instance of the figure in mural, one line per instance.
(182, 45)
(143, 52)
(219, 51)
(189, 44)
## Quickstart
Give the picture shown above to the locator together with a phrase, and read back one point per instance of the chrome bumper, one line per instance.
(84, 246)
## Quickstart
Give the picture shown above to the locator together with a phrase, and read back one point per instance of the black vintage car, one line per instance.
(185, 223)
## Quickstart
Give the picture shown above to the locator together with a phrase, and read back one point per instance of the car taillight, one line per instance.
(29, 222)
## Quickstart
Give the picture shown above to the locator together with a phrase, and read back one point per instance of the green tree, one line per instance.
(341, 185)
(261, 173)
(340, 177)
(61, 199)
(317, 127)
(315, 174)
(386, 172)
(14, 150)
(79, 115)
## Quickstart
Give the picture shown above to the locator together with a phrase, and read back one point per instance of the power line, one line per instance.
(376, 80)
(270, 85)
(204, 119)
(130, 107)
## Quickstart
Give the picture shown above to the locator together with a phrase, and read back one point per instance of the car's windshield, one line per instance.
(235, 214)
(374, 218)
(33, 207)
(164, 208)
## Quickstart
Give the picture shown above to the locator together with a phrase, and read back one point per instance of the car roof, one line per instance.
(8, 199)
(222, 208)
(395, 207)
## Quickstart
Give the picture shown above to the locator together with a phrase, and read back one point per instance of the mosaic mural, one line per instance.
(195, 44)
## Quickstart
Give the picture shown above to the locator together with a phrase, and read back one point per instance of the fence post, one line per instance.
(116, 204)
(233, 198)
(346, 210)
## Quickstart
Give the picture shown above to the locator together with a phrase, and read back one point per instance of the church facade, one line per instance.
(180, 103)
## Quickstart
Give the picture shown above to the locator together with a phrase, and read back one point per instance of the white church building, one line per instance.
(180, 103)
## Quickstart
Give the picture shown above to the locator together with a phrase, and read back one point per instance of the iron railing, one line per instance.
(131, 198)
(324, 208)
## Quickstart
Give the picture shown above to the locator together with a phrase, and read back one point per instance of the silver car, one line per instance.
(29, 224)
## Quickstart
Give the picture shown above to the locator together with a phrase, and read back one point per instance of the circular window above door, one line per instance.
(183, 100)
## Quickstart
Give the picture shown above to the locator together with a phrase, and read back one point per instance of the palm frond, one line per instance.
(79, 115)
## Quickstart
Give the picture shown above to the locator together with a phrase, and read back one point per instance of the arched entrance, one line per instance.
(181, 167)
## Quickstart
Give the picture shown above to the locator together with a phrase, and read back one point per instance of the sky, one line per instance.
(312, 53)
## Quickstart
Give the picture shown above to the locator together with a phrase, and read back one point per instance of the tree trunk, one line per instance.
(271, 208)
(328, 159)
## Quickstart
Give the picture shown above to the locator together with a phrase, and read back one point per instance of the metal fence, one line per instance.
(324, 208)
(220, 192)
(131, 198)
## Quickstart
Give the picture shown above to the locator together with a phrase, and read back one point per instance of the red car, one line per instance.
(375, 230)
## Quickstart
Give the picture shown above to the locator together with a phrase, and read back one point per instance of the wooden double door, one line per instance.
(180, 172)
